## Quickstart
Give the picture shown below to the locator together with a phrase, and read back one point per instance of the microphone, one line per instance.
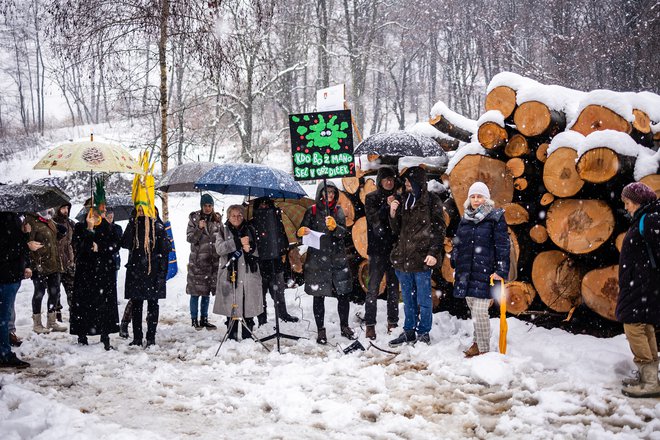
(234, 256)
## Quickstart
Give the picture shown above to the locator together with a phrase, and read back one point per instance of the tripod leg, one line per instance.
(254, 338)
(226, 336)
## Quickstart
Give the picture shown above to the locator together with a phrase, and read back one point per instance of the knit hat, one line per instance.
(479, 188)
(639, 193)
(206, 199)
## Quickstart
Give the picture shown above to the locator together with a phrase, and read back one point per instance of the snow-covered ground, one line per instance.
(550, 385)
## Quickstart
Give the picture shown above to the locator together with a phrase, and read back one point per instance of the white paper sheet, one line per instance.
(313, 239)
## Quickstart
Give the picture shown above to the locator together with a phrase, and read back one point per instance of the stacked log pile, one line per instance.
(556, 160)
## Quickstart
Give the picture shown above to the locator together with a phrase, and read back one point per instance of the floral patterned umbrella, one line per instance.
(89, 156)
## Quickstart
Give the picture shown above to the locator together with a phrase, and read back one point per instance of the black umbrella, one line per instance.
(183, 177)
(400, 143)
(30, 198)
(121, 205)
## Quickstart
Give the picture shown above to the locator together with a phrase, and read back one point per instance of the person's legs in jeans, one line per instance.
(424, 301)
(377, 266)
(194, 306)
(7, 298)
(407, 281)
(204, 307)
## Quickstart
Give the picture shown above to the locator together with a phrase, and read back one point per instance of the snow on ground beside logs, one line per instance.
(551, 384)
(467, 124)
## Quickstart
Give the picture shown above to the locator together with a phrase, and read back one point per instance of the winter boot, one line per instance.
(53, 324)
(11, 361)
(472, 351)
(123, 329)
(371, 332)
(136, 342)
(249, 323)
(150, 342)
(82, 340)
(36, 324)
(321, 338)
(649, 385)
(195, 324)
(14, 340)
(391, 326)
(262, 318)
(204, 323)
(636, 379)
(347, 332)
(407, 337)
(282, 311)
(105, 339)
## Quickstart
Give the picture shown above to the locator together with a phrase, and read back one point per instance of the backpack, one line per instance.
(646, 242)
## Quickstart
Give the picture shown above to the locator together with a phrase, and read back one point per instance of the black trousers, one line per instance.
(43, 283)
(380, 265)
(152, 318)
(272, 280)
(66, 278)
(343, 307)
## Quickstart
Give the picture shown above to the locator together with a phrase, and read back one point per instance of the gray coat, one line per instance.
(249, 297)
(203, 261)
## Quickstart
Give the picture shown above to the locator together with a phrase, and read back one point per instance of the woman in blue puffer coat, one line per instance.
(481, 250)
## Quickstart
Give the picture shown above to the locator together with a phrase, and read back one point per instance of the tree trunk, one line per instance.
(542, 152)
(556, 278)
(517, 146)
(560, 176)
(162, 61)
(579, 226)
(534, 118)
(600, 289)
(502, 98)
(359, 236)
(538, 234)
(596, 117)
(369, 186)
(443, 125)
(515, 214)
(519, 296)
(348, 207)
(601, 165)
(492, 136)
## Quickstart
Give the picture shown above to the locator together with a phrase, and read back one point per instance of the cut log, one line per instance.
(560, 176)
(600, 165)
(516, 166)
(369, 186)
(359, 236)
(491, 135)
(618, 242)
(515, 214)
(520, 184)
(596, 117)
(542, 152)
(350, 184)
(547, 199)
(534, 118)
(443, 125)
(475, 167)
(517, 146)
(363, 278)
(295, 260)
(642, 122)
(653, 182)
(501, 98)
(556, 278)
(600, 289)
(446, 270)
(519, 296)
(347, 206)
(538, 234)
(579, 226)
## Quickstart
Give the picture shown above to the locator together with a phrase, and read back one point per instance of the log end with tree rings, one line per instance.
(547, 199)
(363, 278)
(560, 176)
(296, 260)
(618, 242)
(532, 118)
(350, 184)
(515, 214)
(369, 186)
(359, 236)
(492, 135)
(516, 166)
(538, 234)
(542, 152)
(596, 117)
(653, 182)
(642, 122)
(598, 165)
(446, 270)
(600, 290)
(556, 278)
(579, 226)
(501, 98)
(519, 296)
(347, 207)
(517, 146)
(448, 245)
(478, 168)
(520, 184)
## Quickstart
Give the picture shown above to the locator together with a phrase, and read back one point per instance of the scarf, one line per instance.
(251, 262)
(477, 215)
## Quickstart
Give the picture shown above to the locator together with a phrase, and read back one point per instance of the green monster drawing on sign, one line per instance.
(322, 134)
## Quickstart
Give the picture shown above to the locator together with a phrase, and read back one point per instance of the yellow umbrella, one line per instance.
(89, 156)
(503, 325)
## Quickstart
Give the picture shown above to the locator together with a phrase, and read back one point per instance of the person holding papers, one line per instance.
(326, 268)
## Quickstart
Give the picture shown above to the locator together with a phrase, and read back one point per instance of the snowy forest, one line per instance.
(229, 72)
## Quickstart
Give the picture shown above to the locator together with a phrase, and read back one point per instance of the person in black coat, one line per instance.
(14, 267)
(638, 304)
(380, 242)
(94, 300)
(326, 269)
(481, 251)
(146, 271)
(272, 244)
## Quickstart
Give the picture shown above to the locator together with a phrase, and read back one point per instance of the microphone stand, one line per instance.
(277, 335)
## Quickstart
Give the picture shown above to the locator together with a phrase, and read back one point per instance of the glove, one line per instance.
(302, 231)
(330, 223)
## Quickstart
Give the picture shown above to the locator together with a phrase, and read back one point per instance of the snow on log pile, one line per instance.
(556, 160)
